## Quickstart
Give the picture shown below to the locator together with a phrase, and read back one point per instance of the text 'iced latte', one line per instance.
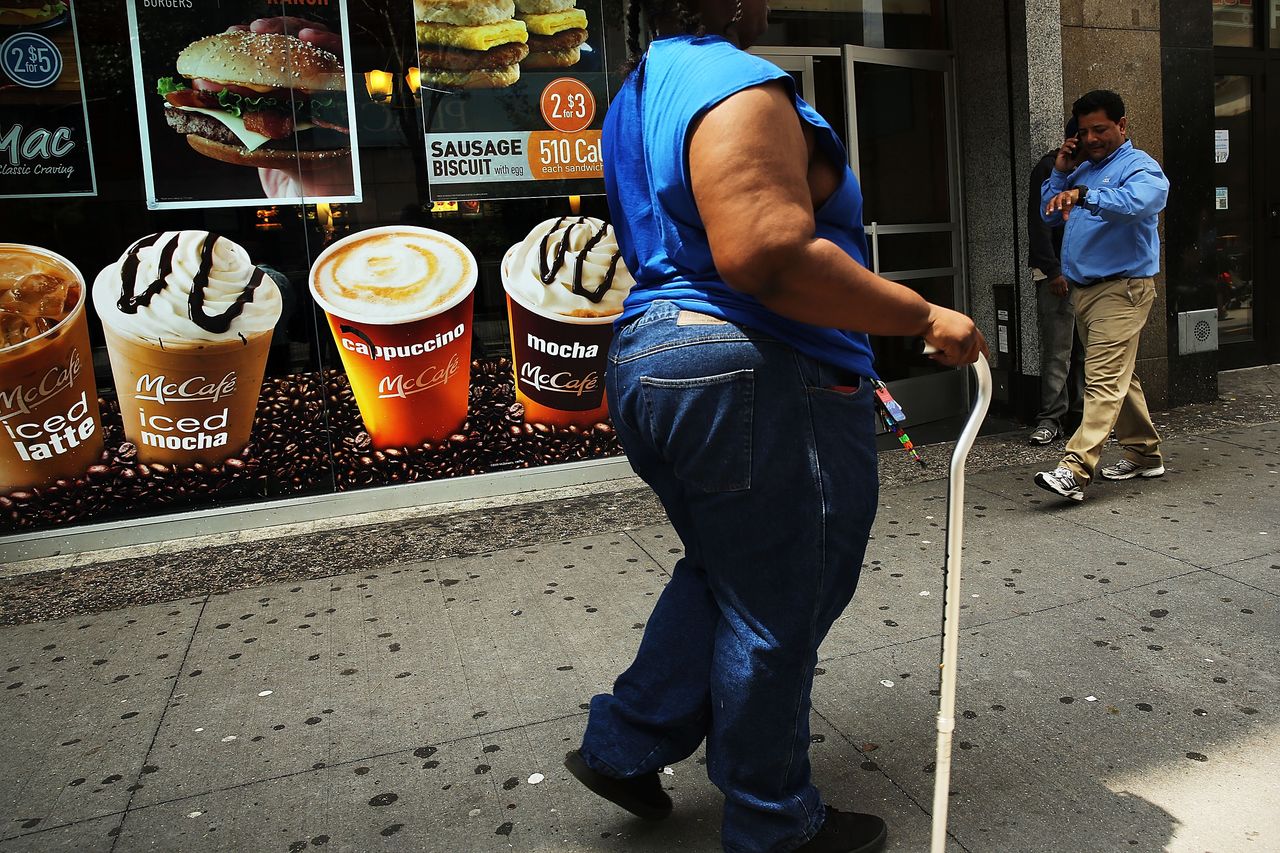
(188, 321)
(565, 286)
(399, 303)
(49, 424)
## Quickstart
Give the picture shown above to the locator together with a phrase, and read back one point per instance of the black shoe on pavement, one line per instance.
(642, 796)
(847, 832)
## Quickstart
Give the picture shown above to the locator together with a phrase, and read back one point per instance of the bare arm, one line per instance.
(748, 158)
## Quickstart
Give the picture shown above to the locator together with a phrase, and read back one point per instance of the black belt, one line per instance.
(1103, 280)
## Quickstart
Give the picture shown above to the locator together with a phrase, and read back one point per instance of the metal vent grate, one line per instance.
(1197, 331)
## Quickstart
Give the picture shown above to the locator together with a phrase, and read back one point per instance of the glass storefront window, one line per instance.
(905, 24)
(305, 429)
(1234, 217)
(1273, 25)
(1233, 23)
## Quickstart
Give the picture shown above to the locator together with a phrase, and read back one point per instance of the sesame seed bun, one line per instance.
(468, 13)
(262, 59)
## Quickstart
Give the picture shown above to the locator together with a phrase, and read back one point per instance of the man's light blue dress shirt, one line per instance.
(1112, 232)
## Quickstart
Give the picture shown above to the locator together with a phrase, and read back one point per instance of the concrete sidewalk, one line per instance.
(1119, 668)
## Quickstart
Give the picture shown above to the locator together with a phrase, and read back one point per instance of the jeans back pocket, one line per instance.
(702, 426)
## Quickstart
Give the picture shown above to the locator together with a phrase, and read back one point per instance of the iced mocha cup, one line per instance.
(565, 285)
(188, 321)
(399, 303)
(50, 428)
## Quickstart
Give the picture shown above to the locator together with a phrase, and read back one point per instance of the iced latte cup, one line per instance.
(398, 300)
(565, 285)
(188, 321)
(49, 424)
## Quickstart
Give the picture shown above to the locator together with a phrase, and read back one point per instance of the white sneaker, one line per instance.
(1126, 470)
(1061, 481)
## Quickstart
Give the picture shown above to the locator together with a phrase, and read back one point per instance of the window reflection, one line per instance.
(1234, 207)
(1233, 23)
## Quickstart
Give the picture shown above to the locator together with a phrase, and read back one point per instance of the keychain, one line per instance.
(892, 416)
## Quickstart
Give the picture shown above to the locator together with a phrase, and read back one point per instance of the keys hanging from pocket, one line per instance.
(892, 416)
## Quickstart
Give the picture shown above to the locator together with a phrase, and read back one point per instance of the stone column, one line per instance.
(1037, 125)
(1115, 44)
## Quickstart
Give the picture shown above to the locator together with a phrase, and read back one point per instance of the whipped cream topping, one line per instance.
(569, 266)
(397, 274)
(182, 287)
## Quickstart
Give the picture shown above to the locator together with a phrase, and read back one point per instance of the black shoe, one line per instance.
(642, 796)
(847, 832)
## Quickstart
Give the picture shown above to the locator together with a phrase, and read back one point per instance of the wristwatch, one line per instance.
(1083, 192)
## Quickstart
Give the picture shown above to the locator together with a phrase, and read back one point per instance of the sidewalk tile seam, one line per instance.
(656, 563)
(1101, 597)
(1176, 557)
(1214, 571)
(155, 735)
(1216, 436)
(120, 814)
(852, 744)
(481, 736)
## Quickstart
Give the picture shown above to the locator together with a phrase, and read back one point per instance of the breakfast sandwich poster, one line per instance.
(513, 97)
(45, 148)
(244, 102)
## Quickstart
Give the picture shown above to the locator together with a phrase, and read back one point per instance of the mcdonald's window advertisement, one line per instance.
(513, 97)
(238, 103)
(45, 148)
(188, 318)
(187, 339)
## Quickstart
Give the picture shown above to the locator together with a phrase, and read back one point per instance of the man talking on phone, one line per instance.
(1109, 196)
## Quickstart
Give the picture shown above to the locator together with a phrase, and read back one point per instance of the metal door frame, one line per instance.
(945, 394)
(799, 59)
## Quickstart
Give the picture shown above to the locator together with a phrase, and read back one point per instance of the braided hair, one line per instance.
(683, 12)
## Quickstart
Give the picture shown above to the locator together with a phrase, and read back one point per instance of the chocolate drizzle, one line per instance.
(548, 274)
(129, 303)
(219, 323)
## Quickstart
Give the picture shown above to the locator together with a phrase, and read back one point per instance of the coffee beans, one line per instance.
(308, 438)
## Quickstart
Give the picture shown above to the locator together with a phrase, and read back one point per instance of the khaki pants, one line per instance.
(1109, 318)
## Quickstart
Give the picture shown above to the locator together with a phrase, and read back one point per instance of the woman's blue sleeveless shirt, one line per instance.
(663, 242)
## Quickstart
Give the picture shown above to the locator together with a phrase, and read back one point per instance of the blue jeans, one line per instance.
(768, 474)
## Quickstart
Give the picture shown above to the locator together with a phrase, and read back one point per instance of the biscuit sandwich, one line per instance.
(469, 44)
(557, 31)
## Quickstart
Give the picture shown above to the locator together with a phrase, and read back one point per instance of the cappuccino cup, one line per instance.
(398, 300)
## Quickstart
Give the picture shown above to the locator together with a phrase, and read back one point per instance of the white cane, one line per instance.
(951, 603)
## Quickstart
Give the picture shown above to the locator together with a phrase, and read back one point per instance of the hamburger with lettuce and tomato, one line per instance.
(259, 99)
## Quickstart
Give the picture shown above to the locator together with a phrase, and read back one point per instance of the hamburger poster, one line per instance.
(514, 94)
(45, 149)
(244, 102)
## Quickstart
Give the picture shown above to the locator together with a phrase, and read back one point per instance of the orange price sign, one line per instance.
(567, 105)
(565, 156)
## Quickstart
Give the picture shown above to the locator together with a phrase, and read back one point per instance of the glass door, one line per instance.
(902, 123)
(1238, 234)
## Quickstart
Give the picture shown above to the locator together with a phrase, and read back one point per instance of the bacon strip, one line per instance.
(269, 123)
(319, 122)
